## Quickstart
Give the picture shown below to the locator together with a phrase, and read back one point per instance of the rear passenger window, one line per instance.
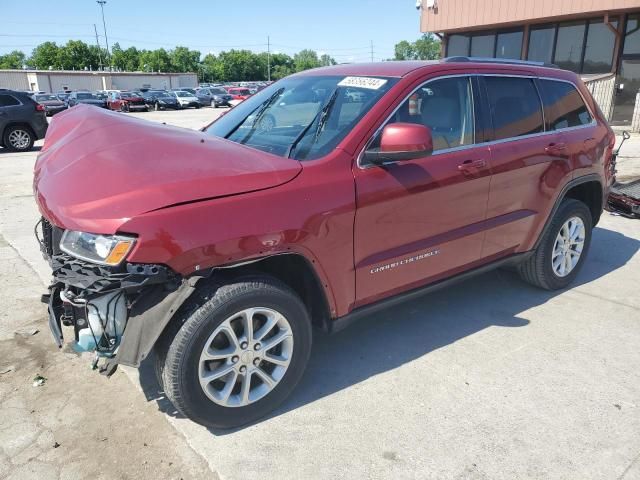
(515, 106)
(563, 105)
(8, 101)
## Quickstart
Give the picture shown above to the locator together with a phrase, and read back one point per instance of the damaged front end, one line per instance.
(116, 311)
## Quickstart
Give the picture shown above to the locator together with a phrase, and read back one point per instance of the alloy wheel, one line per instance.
(19, 139)
(568, 246)
(245, 357)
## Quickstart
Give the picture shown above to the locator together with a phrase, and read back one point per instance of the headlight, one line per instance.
(101, 249)
(160, 101)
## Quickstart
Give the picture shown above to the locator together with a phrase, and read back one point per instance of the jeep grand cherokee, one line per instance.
(326, 196)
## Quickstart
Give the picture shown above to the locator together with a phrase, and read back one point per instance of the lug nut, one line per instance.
(235, 359)
(244, 345)
(256, 362)
(243, 369)
(257, 346)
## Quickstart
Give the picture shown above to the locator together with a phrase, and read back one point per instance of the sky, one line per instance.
(343, 29)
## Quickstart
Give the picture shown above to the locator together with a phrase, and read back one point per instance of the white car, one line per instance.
(186, 99)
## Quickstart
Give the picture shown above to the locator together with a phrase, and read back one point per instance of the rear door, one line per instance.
(9, 111)
(527, 163)
(422, 219)
(567, 113)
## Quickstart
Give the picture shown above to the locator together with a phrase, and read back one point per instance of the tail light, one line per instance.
(40, 107)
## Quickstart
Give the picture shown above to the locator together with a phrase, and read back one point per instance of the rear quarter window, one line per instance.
(563, 105)
(8, 101)
(515, 106)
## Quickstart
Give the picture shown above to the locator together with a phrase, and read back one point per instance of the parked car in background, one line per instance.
(214, 96)
(160, 100)
(190, 90)
(64, 95)
(22, 120)
(186, 99)
(101, 94)
(126, 101)
(239, 93)
(86, 98)
(52, 104)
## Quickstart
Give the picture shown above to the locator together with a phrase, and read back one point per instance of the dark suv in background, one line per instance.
(22, 120)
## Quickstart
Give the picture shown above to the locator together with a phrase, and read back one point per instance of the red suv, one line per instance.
(328, 195)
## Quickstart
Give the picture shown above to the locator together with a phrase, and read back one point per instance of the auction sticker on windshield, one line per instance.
(362, 82)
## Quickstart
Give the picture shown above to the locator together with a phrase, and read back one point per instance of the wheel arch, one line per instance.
(587, 189)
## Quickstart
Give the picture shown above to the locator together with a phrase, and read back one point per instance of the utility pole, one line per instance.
(371, 50)
(98, 44)
(268, 59)
(106, 39)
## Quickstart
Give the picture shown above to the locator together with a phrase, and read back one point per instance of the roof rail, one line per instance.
(507, 61)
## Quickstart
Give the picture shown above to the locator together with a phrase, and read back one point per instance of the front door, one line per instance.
(420, 220)
(628, 81)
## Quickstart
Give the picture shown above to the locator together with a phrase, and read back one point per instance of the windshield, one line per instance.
(127, 94)
(303, 117)
(85, 96)
(218, 91)
(183, 94)
(44, 98)
(240, 91)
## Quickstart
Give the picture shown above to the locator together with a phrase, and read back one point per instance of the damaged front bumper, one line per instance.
(118, 312)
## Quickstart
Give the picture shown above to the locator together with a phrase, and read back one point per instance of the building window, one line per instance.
(457, 45)
(632, 36)
(483, 45)
(541, 44)
(515, 106)
(509, 44)
(598, 52)
(569, 45)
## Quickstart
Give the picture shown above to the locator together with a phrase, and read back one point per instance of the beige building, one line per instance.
(56, 80)
(598, 39)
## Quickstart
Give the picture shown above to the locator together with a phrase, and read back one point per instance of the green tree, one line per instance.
(13, 60)
(184, 60)
(426, 47)
(212, 68)
(155, 60)
(305, 59)
(44, 56)
(240, 65)
(326, 60)
(127, 60)
(76, 55)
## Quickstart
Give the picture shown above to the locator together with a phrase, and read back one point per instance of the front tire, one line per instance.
(238, 353)
(556, 261)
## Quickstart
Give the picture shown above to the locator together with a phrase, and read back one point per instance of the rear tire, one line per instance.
(216, 324)
(544, 268)
(18, 138)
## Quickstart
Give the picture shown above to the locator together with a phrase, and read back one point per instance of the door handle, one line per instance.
(471, 165)
(556, 148)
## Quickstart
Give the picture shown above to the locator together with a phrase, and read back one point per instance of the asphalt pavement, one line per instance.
(489, 379)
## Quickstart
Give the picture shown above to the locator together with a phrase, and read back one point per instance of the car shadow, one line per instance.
(4, 150)
(390, 338)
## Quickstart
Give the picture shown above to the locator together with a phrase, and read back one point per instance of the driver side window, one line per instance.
(446, 107)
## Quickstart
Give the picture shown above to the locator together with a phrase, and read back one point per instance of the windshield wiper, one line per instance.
(259, 112)
(322, 115)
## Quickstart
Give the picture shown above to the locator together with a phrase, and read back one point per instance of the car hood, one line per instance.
(98, 169)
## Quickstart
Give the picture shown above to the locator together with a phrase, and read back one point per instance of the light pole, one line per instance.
(106, 39)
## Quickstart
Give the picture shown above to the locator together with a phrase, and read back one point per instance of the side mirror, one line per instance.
(401, 141)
